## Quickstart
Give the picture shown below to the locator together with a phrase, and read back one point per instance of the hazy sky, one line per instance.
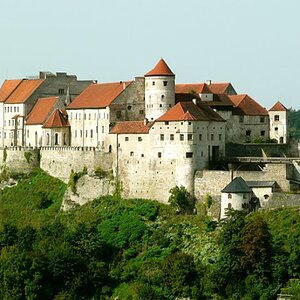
(255, 44)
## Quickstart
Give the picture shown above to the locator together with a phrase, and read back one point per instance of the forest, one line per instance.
(294, 119)
(113, 248)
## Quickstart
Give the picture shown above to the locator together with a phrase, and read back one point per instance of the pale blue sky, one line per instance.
(255, 44)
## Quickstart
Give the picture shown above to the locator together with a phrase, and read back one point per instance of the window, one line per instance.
(181, 137)
(15, 109)
(220, 137)
(212, 137)
(262, 133)
(162, 97)
(160, 105)
(131, 153)
(129, 107)
(141, 112)
(89, 116)
(200, 137)
(165, 83)
(61, 91)
(241, 119)
(190, 137)
(126, 138)
(56, 139)
(248, 132)
(102, 129)
(171, 137)
(276, 118)
(91, 133)
(153, 82)
(81, 133)
(159, 154)
(229, 196)
(166, 123)
(48, 139)
(262, 119)
(189, 154)
(27, 133)
(190, 123)
(162, 137)
(118, 114)
(229, 204)
(140, 139)
(276, 128)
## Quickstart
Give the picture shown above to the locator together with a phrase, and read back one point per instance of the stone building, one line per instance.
(18, 97)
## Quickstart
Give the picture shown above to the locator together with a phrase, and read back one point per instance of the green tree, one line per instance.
(181, 199)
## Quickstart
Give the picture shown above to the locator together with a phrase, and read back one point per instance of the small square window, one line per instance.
(165, 83)
(189, 154)
(140, 139)
(276, 118)
(126, 138)
(262, 119)
(131, 153)
(166, 123)
(262, 133)
(61, 91)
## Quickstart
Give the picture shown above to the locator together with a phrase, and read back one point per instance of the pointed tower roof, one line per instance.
(57, 119)
(161, 69)
(278, 106)
(237, 185)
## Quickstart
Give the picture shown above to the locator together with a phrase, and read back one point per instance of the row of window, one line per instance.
(77, 116)
(11, 109)
(88, 133)
(190, 137)
(165, 83)
(261, 119)
(12, 122)
(159, 105)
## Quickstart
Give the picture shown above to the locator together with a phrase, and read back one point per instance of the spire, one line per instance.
(161, 69)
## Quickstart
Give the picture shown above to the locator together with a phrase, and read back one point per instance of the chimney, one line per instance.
(145, 121)
(195, 101)
(208, 82)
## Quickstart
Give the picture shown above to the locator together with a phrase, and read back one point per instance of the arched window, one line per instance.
(48, 139)
(229, 196)
(56, 139)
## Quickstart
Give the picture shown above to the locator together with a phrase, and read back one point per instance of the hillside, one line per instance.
(113, 248)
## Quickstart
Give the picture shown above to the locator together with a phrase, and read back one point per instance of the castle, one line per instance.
(153, 133)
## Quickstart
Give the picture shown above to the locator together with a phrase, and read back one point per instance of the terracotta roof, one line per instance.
(24, 90)
(98, 95)
(192, 88)
(40, 111)
(188, 111)
(161, 69)
(248, 106)
(132, 127)
(219, 87)
(237, 185)
(220, 100)
(57, 119)
(278, 106)
(7, 88)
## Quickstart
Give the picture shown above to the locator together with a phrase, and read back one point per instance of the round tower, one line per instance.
(159, 90)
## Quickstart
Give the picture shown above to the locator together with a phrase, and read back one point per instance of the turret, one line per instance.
(278, 116)
(159, 90)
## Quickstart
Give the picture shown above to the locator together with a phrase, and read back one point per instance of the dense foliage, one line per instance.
(294, 119)
(139, 249)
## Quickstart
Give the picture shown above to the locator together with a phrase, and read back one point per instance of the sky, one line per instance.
(254, 44)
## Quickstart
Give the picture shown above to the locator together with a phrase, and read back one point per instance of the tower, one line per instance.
(159, 90)
(278, 116)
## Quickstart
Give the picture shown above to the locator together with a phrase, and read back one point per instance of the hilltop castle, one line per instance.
(153, 133)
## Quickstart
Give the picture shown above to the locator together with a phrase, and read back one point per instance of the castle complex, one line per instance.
(151, 132)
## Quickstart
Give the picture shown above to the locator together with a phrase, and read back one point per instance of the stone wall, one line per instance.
(283, 200)
(19, 159)
(212, 182)
(60, 161)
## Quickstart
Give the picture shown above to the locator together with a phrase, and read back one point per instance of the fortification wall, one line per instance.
(19, 159)
(60, 161)
(212, 182)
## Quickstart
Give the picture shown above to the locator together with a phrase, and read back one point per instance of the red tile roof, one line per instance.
(278, 106)
(188, 111)
(41, 111)
(132, 127)
(24, 90)
(161, 69)
(7, 88)
(220, 100)
(219, 87)
(98, 95)
(248, 106)
(57, 119)
(192, 88)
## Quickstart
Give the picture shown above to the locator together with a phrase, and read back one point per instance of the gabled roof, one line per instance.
(237, 185)
(132, 127)
(161, 69)
(7, 88)
(278, 106)
(247, 105)
(192, 88)
(220, 87)
(98, 95)
(41, 111)
(189, 111)
(24, 90)
(57, 119)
